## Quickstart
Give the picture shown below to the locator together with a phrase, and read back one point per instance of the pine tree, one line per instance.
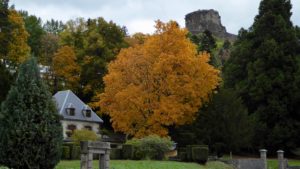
(30, 129)
(261, 70)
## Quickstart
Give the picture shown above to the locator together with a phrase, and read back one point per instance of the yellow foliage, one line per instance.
(83, 135)
(160, 83)
(18, 49)
(66, 68)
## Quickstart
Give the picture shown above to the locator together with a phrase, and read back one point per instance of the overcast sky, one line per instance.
(139, 15)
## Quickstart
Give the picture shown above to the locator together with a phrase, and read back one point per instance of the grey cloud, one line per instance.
(133, 13)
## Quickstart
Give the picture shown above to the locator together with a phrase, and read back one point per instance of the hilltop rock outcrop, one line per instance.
(199, 21)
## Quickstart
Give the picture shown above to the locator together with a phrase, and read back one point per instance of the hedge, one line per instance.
(115, 154)
(127, 151)
(189, 156)
(70, 151)
(65, 152)
(200, 154)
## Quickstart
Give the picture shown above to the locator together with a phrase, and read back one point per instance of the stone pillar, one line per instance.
(281, 161)
(263, 156)
(90, 161)
(83, 161)
(106, 159)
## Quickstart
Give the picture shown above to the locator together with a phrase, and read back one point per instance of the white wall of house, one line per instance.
(79, 125)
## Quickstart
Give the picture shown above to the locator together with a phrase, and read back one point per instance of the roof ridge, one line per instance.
(63, 105)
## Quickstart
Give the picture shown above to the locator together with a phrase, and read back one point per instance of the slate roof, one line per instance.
(66, 98)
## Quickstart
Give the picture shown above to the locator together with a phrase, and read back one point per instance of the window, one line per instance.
(71, 127)
(88, 128)
(87, 112)
(70, 110)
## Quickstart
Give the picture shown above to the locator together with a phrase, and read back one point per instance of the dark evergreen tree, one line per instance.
(261, 69)
(4, 28)
(30, 129)
(5, 82)
(207, 42)
(224, 124)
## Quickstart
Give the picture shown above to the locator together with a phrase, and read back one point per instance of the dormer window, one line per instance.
(87, 112)
(70, 110)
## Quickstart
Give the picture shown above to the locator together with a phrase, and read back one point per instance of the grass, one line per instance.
(273, 163)
(129, 164)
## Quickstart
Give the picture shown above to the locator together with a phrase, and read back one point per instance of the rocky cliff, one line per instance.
(198, 21)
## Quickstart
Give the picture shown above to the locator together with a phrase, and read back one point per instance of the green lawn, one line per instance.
(128, 164)
(273, 163)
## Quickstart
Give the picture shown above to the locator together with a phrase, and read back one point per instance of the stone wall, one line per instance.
(248, 163)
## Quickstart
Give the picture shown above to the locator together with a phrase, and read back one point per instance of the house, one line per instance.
(76, 115)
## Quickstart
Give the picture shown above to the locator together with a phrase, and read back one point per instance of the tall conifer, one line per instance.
(30, 129)
(261, 69)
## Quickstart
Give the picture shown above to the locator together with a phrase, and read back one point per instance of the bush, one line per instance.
(189, 154)
(127, 151)
(116, 154)
(200, 154)
(75, 152)
(65, 152)
(83, 135)
(151, 147)
(182, 156)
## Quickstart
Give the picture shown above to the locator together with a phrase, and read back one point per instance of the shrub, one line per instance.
(65, 152)
(151, 147)
(75, 152)
(182, 156)
(83, 135)
(189, 153)
(200, 154)
(127, 151)
(116, 154)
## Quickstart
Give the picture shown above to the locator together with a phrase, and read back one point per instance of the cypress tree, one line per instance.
(30, 129)
(262, 68)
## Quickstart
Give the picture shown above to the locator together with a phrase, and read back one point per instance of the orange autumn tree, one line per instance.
(65, 68)
(157, 84)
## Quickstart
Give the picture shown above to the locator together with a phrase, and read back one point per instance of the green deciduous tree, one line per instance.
(96, 42)
(34, 27)
(54, 26)
(30, 129)
(261, 69)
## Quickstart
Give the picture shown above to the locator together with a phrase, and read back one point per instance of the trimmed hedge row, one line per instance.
(195, 153)
(70, 151)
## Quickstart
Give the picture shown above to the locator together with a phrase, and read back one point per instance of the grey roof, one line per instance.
(66, 98)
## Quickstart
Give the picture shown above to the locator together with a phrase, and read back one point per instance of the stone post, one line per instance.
(281, 161)
(83, 161)
(263, 156)
(106, 158)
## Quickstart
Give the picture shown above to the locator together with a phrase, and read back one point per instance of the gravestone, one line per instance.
(88, 148)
